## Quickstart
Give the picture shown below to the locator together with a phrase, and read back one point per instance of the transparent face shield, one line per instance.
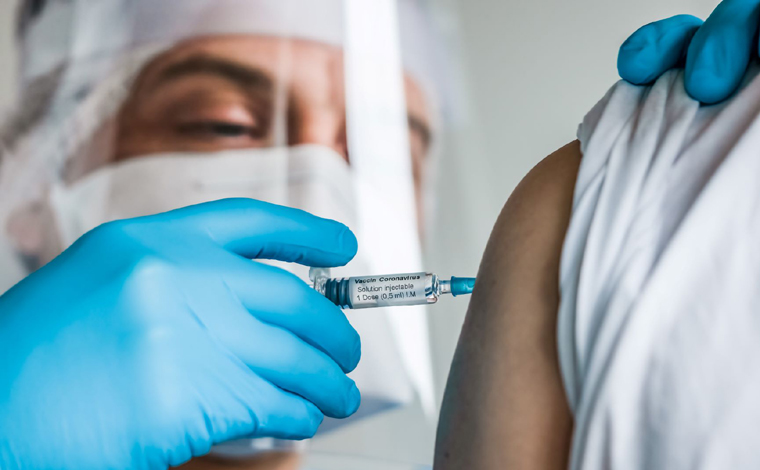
(137, 79)
(141, 107)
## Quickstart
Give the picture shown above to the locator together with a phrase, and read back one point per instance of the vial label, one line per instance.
(388, 290)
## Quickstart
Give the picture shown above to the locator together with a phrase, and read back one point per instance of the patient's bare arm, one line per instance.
(505, 406)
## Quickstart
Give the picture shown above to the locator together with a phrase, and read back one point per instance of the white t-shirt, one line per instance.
(659, 322)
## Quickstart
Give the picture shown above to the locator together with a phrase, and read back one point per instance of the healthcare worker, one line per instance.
(150, 339)
(170, 341)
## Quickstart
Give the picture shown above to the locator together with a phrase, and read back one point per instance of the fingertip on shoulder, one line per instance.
(705, 87)
(656, 48)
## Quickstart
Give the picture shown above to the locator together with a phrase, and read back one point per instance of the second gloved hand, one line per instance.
(715, 53)
(151, 339)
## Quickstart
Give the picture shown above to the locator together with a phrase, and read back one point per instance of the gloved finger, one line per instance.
(286, 361)
(210, 396)
(256, 229)
(656, 48)
(277, 413)
(721, 50)
(280, 298)
(291, 418)
(306, 372)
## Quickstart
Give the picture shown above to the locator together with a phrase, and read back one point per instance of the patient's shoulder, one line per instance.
(540, 205)
(526, 242)
(549, 181)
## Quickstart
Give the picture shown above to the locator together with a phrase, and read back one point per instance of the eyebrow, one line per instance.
(247, 78)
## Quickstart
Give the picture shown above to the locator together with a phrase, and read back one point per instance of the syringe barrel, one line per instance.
(382, 291)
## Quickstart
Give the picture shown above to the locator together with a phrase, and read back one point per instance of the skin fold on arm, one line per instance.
(505, 406)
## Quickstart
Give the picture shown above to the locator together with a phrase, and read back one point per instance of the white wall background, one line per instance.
(533, 68)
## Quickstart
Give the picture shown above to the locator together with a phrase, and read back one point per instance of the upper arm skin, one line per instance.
(505, 406)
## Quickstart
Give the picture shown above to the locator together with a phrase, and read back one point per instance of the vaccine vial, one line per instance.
(387, 290)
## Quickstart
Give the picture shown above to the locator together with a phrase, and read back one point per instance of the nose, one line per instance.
(326, 128)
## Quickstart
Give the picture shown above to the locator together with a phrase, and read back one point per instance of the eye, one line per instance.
(223, 121)
(229, 130)
(221, 130)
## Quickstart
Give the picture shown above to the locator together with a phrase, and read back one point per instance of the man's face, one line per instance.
(227, 92)
(236, 92)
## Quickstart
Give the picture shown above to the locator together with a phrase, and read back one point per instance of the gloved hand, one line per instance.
(151, 339)
(716, 53)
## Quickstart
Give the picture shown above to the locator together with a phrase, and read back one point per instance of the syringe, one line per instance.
(387, 290)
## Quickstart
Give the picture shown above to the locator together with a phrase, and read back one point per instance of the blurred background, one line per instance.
(528, 71)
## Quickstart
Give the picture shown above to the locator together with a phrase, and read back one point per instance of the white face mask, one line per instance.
(308, 177)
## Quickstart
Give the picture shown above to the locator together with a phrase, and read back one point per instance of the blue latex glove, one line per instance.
(151, 339)
(715, 54)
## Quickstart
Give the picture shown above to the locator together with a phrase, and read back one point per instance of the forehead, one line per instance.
(287, 59)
